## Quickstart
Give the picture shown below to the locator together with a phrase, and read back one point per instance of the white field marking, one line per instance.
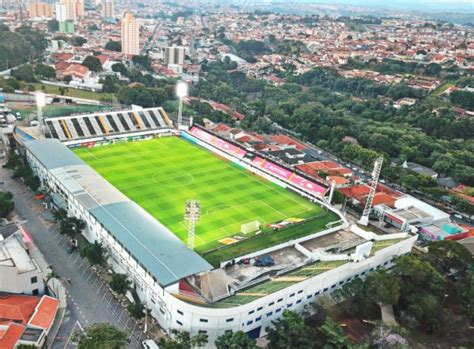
(183, 224)
(92, 154)
(274, 209)
(153, 180)
(264, 222)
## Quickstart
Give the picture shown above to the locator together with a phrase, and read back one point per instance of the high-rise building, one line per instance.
(80, 8)
(60, 12)
(71, 9)
(107, 9)
(174, 55)
(130, 34)
(40, 9)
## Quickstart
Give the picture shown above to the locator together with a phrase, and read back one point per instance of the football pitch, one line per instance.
(161, 174)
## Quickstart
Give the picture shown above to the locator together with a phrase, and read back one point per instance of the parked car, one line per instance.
(150, 344)
(264, 261)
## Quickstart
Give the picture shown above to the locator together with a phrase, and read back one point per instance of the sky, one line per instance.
(417, 5)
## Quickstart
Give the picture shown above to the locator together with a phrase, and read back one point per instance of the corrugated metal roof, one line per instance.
(152, 244)
(52, 153)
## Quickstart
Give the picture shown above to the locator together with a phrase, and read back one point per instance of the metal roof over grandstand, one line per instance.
(52, 154)
(152, 244)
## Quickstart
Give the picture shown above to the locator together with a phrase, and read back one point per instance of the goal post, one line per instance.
(250, 227)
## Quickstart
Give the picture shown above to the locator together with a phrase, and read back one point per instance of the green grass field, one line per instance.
(161, 174)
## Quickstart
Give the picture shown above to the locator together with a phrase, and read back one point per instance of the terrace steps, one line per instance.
(104, 123)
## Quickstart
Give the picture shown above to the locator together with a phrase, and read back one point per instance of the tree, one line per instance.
(95, 253)
(389, 337)
(53, 25)
(110, 84)
(136, 310)
(45, 71)
(20, 46)
(183, 340)
(78, 41)
(468, 296)
(422, 289)
(24, 73)
(113, 46)
(71, 226)
(6, 204)
(120, 283)
(13, 83)
(120, 68)
(235, 340)
(144, 61)
(59, 215)
(330, 336)
(382, 288)
(450, 258)
(289, 332)
(93, 63)
(103, 336)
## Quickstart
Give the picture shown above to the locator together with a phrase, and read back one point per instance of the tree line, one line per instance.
(23, 45)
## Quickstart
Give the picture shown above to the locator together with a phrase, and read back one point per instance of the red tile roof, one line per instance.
(285, 140)
(62, 65)
(102, 59)
(77, 69)
(9, 336)
(18, 308)
(45, 312)
(338, 179)
(62, 56)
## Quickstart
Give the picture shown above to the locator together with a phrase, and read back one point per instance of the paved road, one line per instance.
(89, 299)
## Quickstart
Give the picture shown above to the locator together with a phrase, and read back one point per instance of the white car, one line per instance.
(150, 344)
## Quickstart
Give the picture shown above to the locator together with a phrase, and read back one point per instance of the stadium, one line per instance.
(215, 237)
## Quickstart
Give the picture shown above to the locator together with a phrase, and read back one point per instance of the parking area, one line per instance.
(90, 300)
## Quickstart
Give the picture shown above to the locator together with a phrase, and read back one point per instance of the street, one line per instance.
(89, 299)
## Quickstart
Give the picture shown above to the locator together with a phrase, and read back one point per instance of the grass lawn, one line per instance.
(54, 110)
(161, 174)
(73, 92)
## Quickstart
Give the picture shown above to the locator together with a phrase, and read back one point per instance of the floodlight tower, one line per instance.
(40, 103)
(364, 220)
(181, 92)
(192, 213)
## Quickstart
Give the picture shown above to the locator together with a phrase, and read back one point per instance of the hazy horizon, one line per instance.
(417, 5)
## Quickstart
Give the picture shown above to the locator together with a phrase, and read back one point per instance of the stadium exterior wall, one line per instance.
(174, 313)
(255, 316)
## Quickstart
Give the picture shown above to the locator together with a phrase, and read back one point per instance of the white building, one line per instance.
(175, 55)
(19, 272)
(61, 12)
(180, 287)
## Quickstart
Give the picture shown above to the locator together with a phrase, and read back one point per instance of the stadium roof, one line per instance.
(158, 249)
(52, 153)
(150, 242)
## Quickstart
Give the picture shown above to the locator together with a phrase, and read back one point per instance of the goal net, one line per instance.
(250, 227)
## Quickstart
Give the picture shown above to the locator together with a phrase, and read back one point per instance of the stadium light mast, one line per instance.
(192, 214)
(181, 92)
(40, 98)
(364, 220)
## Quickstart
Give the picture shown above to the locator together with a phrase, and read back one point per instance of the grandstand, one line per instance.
(85, 126)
